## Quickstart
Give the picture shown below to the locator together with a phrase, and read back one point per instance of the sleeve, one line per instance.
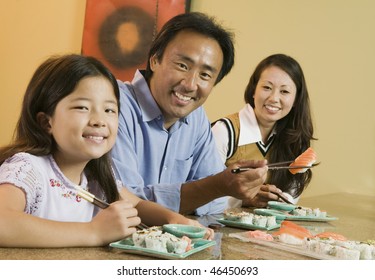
(20, 172)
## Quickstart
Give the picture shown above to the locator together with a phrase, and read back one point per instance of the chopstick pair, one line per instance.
(275, 166)
(91, 198)
(100, 203)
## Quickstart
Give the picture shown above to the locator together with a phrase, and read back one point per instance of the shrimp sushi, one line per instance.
(307, 158)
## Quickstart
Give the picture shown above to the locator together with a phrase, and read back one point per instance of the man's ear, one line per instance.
(43, 120)
(153, 62)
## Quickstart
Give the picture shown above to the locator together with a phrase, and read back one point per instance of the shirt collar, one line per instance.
(249, 127)
(149, 107)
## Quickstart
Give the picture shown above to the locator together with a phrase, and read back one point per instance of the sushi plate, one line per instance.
(245, 225)
(128, 246)
(282, 215)
(296, 249)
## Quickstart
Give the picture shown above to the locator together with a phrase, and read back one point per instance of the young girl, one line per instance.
(275, 124)
(67, 128)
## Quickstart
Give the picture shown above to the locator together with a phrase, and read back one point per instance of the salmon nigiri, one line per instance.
(291, 233)
(307, 158)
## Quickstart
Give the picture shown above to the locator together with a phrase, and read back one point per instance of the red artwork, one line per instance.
(119, 32)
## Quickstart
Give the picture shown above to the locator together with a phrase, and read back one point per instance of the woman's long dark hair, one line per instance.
(294, 131)
(53, 80)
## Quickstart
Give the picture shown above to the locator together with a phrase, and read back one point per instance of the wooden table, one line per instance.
(356, 221)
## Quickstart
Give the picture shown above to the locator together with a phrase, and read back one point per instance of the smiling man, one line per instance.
(165, 151)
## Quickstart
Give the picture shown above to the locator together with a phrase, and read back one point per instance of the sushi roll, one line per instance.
(316, 212)
(231, 216)
(365, 251)
(242, 217)
(260, 220)
(246, 218)
(139, 236)
(299, 211)
(343, 253)
(310, 244)
(156, 242)
(325, 248)
(271, 221)
(176, 245)
(154, 239)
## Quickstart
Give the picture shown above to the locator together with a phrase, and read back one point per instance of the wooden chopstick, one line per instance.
(100, 203)
(280, 163)
(91, 198)
(273, 167)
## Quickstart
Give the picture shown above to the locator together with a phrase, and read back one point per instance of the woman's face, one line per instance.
(274, 96)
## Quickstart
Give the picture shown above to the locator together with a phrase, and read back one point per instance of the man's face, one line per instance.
(186, 74)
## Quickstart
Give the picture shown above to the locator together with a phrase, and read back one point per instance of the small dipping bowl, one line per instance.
(281, 206)
(185, 230)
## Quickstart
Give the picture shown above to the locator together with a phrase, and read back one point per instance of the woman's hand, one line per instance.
(262, 197)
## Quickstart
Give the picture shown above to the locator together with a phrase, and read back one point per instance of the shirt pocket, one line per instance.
(182, 168)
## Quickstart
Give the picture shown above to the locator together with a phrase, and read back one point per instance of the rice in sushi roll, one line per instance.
(154, 239)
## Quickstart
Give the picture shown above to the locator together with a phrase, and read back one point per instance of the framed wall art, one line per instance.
(119, 32)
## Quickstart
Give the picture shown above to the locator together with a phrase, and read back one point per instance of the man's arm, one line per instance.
(243, 185)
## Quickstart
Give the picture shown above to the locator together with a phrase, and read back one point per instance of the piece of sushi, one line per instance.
(242, 217)
(299, 211)
(271, 221)
(140, 235)
(177, 245)
(333, 235)
(258, 234)
(291, 233)
(260, 220)
(343, 253)
(156, 242)
(153, 238)
(246, 218)
(307, 158)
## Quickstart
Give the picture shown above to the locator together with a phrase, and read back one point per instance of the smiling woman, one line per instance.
(275, 124)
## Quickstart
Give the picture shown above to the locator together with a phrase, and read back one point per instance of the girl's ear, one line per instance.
(43, 120)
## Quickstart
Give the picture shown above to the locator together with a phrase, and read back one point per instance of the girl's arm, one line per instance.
(153, 214)
(19, 229)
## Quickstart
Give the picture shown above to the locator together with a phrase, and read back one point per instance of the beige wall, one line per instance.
(333, 40)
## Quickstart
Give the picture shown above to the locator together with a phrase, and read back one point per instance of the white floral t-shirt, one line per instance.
(49, 194)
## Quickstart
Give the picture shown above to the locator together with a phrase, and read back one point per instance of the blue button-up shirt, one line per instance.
(154, 162)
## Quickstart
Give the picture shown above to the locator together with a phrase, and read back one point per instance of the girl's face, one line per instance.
(84, 124)
(274, 96)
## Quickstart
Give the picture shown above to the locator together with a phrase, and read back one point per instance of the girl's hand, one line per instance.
(115, 222)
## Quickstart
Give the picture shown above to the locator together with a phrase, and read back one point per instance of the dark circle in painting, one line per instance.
(108, 33)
